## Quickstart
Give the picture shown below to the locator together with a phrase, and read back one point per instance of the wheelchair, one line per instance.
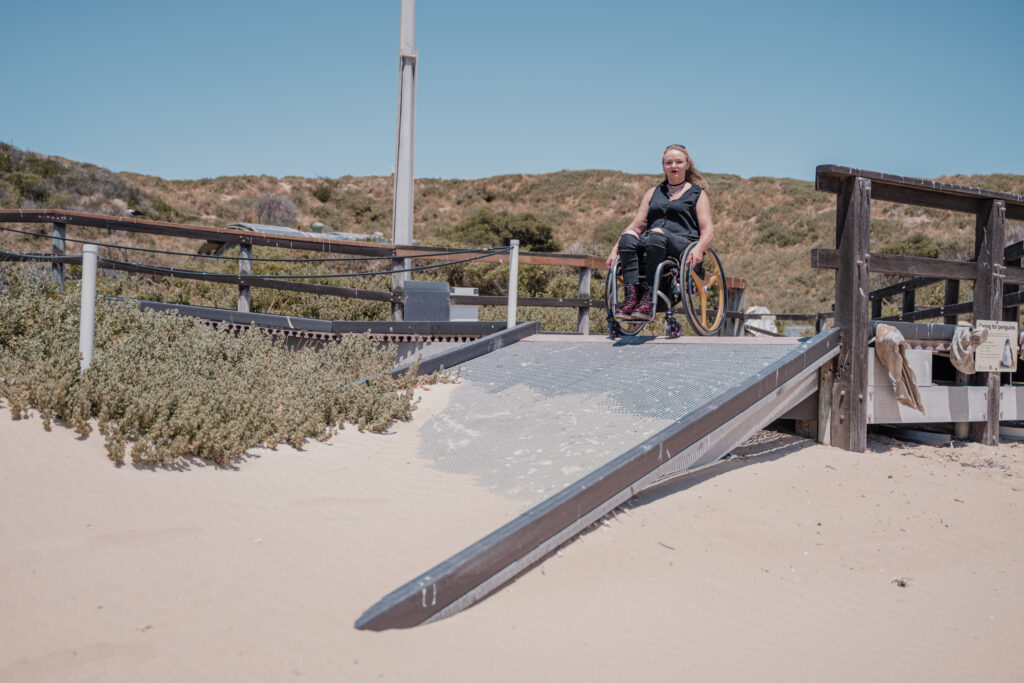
(702, 292)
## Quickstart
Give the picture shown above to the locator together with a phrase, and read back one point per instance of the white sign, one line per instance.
(999, 352)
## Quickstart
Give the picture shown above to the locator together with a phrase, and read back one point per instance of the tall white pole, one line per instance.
(87, 319)
(405, 141)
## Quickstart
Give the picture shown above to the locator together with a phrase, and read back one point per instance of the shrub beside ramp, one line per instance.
(571, 427)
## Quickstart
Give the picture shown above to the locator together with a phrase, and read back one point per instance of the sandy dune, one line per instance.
(802, 563)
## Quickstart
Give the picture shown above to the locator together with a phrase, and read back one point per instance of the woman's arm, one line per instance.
(707, 230)
(635, 226)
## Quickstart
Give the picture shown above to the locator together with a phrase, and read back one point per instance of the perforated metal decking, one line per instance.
(571, 427)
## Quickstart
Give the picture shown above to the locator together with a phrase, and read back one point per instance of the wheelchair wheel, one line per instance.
(704, 293)
(614, 296)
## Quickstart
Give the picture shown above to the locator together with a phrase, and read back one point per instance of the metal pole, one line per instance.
(402, 209)
(244, 268)
(87, 320)
(583, 314)
(513, 282)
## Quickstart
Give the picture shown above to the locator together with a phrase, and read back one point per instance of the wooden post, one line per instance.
(736, 304)
(989, 238)
(244, 268)
(961, 430)
(826, 380)
(952, 297)
(60, 232)
(909, 297)
(583, 314)
(853, 240)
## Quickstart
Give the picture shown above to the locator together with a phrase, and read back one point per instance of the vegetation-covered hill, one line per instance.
(764, 227)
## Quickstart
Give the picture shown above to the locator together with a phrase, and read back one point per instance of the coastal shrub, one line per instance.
(917, 244)
(486, 228)
(163, 387)
(273, 210)
(322, 193)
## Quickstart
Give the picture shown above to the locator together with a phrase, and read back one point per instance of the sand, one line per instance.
(800, 562)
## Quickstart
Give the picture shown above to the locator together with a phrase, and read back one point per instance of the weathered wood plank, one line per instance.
(59, 249)
(944, 312)
(989, 243)
(348, 292)
(853, 239)
(952, 299)
(901, 287)
(941, 404)
(893, 264)
(909, 300)
(828, 178)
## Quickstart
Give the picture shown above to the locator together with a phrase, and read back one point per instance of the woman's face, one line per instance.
(674, 163)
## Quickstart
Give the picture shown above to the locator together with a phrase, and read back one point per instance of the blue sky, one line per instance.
(202, 89)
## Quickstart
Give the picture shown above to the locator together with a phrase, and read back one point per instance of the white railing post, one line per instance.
(87, 320)
(513, 282)
(244, 268)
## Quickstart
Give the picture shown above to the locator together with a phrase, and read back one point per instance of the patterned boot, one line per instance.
(645, 309)
(632, 299)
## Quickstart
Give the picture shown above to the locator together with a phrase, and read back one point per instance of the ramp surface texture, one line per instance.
(534, 417)
(570, 427)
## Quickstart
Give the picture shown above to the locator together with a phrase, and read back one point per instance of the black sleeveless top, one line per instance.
(678, 217)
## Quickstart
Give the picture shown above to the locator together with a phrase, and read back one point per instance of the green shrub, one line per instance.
(918, 244)
(162, 387)
(485, 228)
(323, 193)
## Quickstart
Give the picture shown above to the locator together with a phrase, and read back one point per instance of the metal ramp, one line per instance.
(571, 427)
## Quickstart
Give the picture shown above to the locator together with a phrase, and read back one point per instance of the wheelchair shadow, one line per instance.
(633, 341)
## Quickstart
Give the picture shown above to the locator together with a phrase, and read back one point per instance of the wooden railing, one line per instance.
(854, 261)
(584, 264)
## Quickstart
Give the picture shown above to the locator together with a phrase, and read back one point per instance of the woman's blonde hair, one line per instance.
(692, 174)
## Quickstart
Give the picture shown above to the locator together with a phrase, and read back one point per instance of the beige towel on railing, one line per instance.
(891, 348)
(961, 350)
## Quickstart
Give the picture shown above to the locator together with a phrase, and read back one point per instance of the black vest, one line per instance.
(678, 217)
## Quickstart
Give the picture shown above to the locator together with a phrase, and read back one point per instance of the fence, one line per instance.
(245, 280)
(996, 285)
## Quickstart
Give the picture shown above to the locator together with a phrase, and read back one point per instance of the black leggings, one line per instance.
(653, 248)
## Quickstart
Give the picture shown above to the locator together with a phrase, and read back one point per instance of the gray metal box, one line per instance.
(460, 312)
(427, 301)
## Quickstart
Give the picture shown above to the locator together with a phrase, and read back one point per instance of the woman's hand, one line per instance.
(612, 255)
(696, 257)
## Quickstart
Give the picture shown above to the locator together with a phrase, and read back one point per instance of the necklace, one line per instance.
(673, 190)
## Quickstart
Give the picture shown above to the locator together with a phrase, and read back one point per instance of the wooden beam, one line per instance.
(893, 264)
(952, 298)
(59, 249)
(917, 191)
(853, 241)
(989, 243)
(909, 300)
(238, 280)
(935, 312)
(902, 287)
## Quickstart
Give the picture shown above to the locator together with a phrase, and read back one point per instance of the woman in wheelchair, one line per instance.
(672, 215)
